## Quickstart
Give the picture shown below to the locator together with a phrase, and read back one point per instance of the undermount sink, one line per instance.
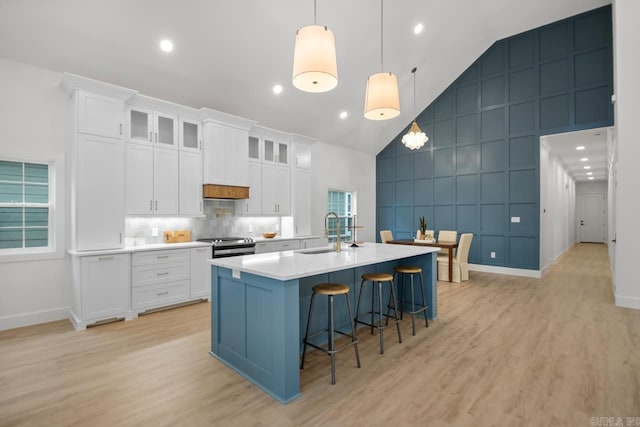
(318, 251)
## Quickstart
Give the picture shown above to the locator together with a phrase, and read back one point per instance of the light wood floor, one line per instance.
(504, 351)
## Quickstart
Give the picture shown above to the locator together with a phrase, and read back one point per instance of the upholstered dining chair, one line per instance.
(447, 236)
(386, 236)
(460, 261)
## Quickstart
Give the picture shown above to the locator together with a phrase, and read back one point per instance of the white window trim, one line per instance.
(350, 214)
(56, 248)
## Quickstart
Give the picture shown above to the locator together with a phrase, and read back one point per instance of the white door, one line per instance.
(190, 183)
(138, 169)
(200, 272)
(592, 218)
(165, 181)
(99, 193)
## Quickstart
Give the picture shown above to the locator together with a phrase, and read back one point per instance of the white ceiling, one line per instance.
(594, 141)
(229, 54)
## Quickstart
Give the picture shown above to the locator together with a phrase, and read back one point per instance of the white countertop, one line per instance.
(259, 239)
(289, 265)
(153, 247)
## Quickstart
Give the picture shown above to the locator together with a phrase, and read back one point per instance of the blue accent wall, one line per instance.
(481, 165)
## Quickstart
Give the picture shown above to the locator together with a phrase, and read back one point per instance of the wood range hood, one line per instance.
(216, 191)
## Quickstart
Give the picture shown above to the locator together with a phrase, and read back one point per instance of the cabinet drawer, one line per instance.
(287, 245)
(143, 275)
(159, 295)
(160, 257)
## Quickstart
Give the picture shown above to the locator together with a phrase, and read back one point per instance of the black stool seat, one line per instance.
(331, 290)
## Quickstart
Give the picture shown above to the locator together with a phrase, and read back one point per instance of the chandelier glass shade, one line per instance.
(415, 138)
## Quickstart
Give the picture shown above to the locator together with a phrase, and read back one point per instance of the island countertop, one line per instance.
(288, 265)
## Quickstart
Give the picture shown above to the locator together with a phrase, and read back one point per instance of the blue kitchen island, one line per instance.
(260, 304)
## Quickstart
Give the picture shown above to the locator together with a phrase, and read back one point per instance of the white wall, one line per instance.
(557, 208)
(626, 15)
(590, 187)
(34, 115)
(348, 170)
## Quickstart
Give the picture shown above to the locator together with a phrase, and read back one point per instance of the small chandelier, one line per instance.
(382, 100)
(415, 138)
(314, 58)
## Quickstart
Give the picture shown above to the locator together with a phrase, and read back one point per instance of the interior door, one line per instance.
(592, 218)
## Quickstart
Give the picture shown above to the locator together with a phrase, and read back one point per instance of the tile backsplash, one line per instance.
(219, 221)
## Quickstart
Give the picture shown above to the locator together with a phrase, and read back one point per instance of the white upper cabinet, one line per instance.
(99, 115)
(301, 191)
(190, 183)
(190, 136)
(98, 216)
(152, 180)
(225, 153)
(145, 126)
(301, 152)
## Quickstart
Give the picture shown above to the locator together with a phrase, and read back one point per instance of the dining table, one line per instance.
(449, 245)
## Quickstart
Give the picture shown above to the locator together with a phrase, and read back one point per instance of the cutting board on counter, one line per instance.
(177, 236)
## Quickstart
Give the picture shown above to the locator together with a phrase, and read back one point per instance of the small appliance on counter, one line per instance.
(177, 236)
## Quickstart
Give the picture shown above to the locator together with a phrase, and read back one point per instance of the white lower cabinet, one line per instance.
(314, 242)
(200, 273)
(277, 246)
(102, 288)
(159, 278)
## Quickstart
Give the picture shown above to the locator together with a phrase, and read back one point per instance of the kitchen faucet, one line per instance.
(337, 246)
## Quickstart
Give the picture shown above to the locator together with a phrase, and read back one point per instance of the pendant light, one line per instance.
(314, 58)
(382, 100)
(415, 138)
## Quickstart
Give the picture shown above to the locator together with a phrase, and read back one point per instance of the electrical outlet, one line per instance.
(277, 227)
(493, 254)
(154, 232)
(250, 228)
(515, 219)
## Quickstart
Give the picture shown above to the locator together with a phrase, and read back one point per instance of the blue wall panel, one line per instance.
(480, 166)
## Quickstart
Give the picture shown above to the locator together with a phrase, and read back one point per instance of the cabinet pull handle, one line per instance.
(166, 273)
(156, 205)
(151, 205)
(163, 256)
(121, 237)
(200, 207)
(150, 136)
(104, 258)
(156, 136)
(120, 129)
(163, 293)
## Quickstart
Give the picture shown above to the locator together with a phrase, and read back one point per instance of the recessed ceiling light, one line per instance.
(277, 89)
(591, 177)
(584, 159)
(589, 173)
(344, 115)
(166, 45)
(418, 29)
(580, 147)
(587, 167)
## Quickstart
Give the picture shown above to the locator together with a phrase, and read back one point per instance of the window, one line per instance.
(343, 204)
(26, 208)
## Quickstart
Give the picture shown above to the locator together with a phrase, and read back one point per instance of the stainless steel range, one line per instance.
(231, 246)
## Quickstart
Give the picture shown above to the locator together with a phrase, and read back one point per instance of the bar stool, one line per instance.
(403, 271)
(379, 278)
(331, 290)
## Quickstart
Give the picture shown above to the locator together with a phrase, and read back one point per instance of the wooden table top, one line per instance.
(442, 244)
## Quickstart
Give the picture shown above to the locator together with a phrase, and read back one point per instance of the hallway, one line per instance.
(505, 350)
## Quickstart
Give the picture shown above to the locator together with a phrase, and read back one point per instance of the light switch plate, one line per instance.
(154, 232)
(515, 219)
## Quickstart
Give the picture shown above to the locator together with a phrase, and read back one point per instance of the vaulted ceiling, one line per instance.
(229, 54)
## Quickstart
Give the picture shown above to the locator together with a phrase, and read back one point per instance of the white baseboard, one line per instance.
(505, 270)
(627, 302)
(27, 319)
